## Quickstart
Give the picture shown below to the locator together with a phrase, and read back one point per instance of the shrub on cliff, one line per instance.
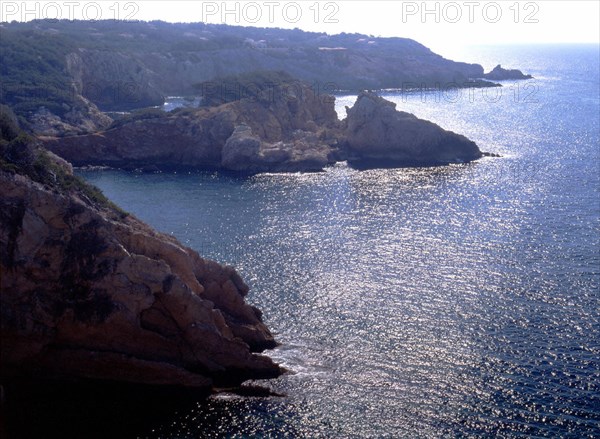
(21, 154)
(33, 72)
(260, 85)
(144, 114)
(16, 147)
(9, 126)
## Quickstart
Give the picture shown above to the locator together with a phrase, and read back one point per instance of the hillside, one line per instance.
(72, 67)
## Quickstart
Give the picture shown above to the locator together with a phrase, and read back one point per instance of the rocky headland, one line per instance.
(501, 74)
(89, 292)
(377, 135)
(288, 128)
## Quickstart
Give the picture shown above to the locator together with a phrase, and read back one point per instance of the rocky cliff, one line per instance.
(90, 292)
(380, 136)
(113, 80)
(291, 129)
(81, 116)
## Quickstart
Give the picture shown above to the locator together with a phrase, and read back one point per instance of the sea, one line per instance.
(454, 301)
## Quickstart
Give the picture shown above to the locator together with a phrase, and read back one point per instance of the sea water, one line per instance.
(453, 301)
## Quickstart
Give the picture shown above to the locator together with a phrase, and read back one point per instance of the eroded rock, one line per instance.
(293, 131)
(246, 152)
(380, 136)
(89, 293)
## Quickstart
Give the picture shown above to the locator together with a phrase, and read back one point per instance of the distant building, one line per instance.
(261, 44)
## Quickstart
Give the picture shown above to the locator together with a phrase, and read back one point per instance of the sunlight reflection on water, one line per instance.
(460, 300)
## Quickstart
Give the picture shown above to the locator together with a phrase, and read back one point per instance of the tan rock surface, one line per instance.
(88, 293)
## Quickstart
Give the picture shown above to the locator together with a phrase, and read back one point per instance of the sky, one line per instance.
(440, 25)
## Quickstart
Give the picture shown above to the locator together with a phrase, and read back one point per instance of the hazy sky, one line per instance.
(437, 24)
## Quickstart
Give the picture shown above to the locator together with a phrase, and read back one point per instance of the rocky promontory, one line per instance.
(501, 74)
(378, 135)
(286, 129)
(289, 128)
(90, 292)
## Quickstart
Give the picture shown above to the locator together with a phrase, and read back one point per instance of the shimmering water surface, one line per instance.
(453, 301)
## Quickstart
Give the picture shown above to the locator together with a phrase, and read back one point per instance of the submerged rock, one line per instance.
(88, 291)
(380, 136)
(501, 74)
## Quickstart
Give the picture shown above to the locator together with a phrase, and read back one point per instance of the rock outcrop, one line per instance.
(378, 135)
(81, 117)
(295, 130)
(247, 153)
(90, 292)
(292, 128)
(183, 140)
(501, 74)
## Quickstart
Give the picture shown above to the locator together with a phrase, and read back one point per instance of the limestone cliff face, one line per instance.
(378, 135)
(246, 152)
(87, 292)
(182, 140)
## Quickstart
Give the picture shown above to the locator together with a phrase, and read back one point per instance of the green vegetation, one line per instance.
(20, 154)
(9, 126)
(144, 114)
(14, 150)
(259, 85)
(33, 72)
